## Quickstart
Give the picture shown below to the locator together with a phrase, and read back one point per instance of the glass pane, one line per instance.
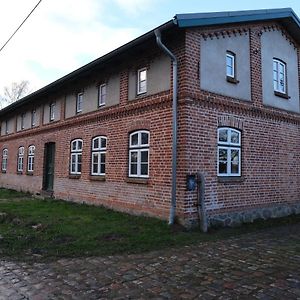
(79, 168)
(134, 157)
(96, 143)
(223, 155)
(235, 136)
(144, 156)
(223, 135)
(103, 143)
(73, 159)
(142, 87)
(73, 168)
(79, 145)
(95, 168)
(74, 145)
(133, 169)
(32, 164)
(102, 158)
(222, 167)
(145, 138)
(95, 158)
(144, 169)
(234, 161)
(229, 71)
(102, 170)
(143, 75)
(79, 158)
(134, 139)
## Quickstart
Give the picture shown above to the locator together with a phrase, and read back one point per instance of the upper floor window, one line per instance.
(6, 127)
(20, 164)
(142, 81)
(229, 152)
(4, 160)
(79, 102)
(22, 121)
(33, 118)
(98, 155)
(139, 154)
(279, 76)
(102, 95)
(76, 157)
(52, 111)
(231, 67)
(30, 164)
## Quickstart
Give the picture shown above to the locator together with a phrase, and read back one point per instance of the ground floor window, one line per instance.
(139, 154)
(30, 165)
(76, 157)
(229, 152)
(4, 160)
(20, 163)
(98, 155)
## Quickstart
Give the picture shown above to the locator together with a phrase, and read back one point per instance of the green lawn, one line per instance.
(45, 229)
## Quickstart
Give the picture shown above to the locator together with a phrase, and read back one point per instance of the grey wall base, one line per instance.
(237, 218)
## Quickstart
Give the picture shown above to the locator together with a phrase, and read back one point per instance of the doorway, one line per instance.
(49, 159)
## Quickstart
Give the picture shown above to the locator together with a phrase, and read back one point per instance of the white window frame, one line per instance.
(79, 102)
(76, 153)
(276, 81)
(33, 118)
(232, 56)
(23, 121)
(6, 127)
(98, 151)
(30, 160)
(52, 111)
(229, 146)
(20, 162)
(139, 148)
(141, 90)
(102, 95)
(4, 159)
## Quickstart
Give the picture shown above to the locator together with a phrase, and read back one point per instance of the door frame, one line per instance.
(45, 166)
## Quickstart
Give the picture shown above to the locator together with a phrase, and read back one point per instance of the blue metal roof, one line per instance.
(206, 19)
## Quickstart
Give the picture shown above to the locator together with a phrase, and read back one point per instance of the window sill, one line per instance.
(281, 95)
(231, 179)
(232, 80)
(74, 176)
(19, 173)
(97, 177)
(29, 173)
(137, 180)
(3, 172)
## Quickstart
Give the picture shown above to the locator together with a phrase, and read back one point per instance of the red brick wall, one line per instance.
(270, 140)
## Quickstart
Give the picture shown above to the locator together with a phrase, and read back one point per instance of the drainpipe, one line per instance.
(174, 125)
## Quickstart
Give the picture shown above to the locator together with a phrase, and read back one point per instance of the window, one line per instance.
(102, 95)
(6, 127)
(76, 157)
(98, 155)
(22, 121)
(231, 66)
(20, 163)
(79, 102)
(142, 81)
(279, 76)
(30, 164)
(4, 159)
(229, 152)
(52, 111)
(139, 154)
(33, 118)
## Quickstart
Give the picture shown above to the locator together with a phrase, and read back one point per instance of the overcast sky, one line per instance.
(63, 35)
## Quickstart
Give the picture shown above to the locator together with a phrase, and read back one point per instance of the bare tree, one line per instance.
(14, 92)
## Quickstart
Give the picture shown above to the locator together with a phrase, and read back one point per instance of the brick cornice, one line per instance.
(240, 107)
(130, 108)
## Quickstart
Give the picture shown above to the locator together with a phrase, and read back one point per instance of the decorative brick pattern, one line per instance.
(270, 143)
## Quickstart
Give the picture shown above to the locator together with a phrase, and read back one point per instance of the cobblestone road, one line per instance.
(264, 265)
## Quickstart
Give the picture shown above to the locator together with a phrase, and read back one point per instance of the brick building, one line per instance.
(103, 134)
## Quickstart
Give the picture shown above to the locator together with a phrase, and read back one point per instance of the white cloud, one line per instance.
(59, 37)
